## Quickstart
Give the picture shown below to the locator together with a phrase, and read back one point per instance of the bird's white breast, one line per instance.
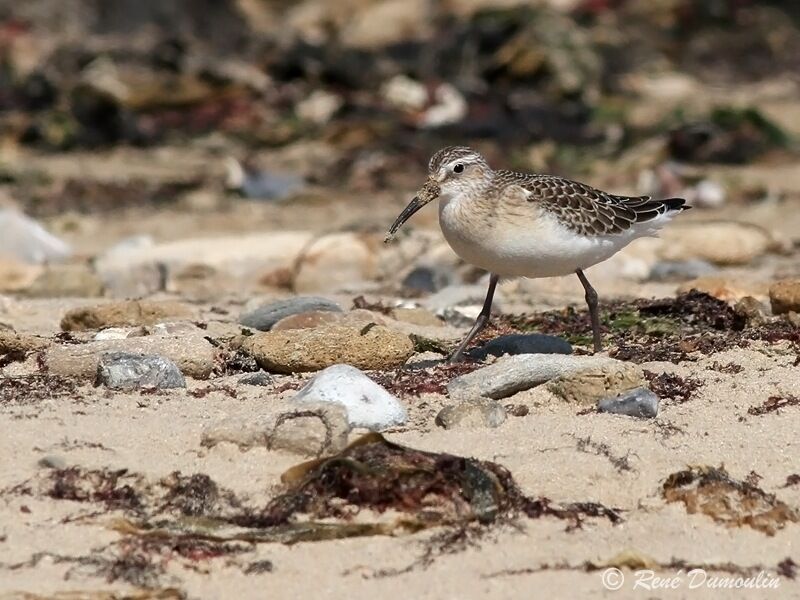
(530, 244)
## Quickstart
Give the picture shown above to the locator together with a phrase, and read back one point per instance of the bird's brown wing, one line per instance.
(586, 210)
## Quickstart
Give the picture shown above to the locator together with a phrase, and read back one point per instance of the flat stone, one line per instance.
(193, 354)
(264, 317)
(126, 313)
(480, 412)
(66, 281)
(712, 241)
(678, 270)
(260, 378)
(417, 316)
(368, 404)
(522, 343)
(308, 320)
(587, 386)
(298, 350)
(128, 371)
(638, 402)
(512, 374)
(309, 429)
(784, 295)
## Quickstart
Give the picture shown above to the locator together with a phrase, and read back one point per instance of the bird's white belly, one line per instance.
(538, 247)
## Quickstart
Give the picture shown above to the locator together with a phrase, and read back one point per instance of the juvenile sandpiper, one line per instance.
(528, 225)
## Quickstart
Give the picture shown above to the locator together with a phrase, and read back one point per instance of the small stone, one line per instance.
(264, 317)
(784, 295)
(522, 343)
(310, 429)
(481, 412)
(638, 402)
(52, 461)
(124, 313)
(368, 404)
(308, 320)
(193, 354)
(589, 385)
(335, 262)
(425, 279)
(793, 318)
(128, 371)
(751, 309)
(66, 281)
(679, 270)
(260, 378)
(718, 242)
(512, 374)
(517, 410)
(455, 295)
(16, 346)
(119, 333)
(298, 350)
(416, 316)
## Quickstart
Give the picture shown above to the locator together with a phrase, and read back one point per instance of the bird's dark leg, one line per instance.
(594, 314)
(480, 322)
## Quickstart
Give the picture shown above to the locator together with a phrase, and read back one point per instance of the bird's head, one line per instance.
(452, 171)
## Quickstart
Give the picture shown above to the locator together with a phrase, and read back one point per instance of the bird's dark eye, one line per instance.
(458, 168)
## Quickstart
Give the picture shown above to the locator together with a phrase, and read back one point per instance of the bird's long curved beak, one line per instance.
(427, 193)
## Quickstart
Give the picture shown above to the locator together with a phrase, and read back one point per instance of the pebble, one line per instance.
(259, 378)
(724, 288)
(522, 343)
(784, 295)
(587, 386)
(678, 270)
(13, 344)
(128, 371)
(26, 240)
(751, 309)
(52, 461)
(311, 430)
(456, 295)
(298, 350)
(265, 317)
(512, 374)
(718, 242)
(638, 402)
(480, 412)
(356, 318)
(424, 279)
(193, 354)
(368, 404)
(127, 313)
(66, 281)
(335, 262)
(416, 316)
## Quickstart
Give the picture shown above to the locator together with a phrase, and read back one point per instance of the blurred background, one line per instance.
(216, 148)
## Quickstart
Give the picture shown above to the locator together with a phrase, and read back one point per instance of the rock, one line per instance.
(405, 93)
(480, 412)
(449, 107)
(26, 240)
(301, 350)
(264, 317)
(17, 276)
(65, 281)
(135, 281)
(387, 22)
(512, 374)
(261, 184)
(424, 279)
(456, 295)
(706, 194)
(319, 107)
(678, 270)
(119, 333)
(751, 309)
(52, 461)
(718, 242)
(193, 354)
(367, 404)
(334, 262)
(355, 318)
(724, 288)
(587, 386)
(128, 371)
(260, 378)
(313, 429)
(124, 313)
(241, 256)
(522, 343)
(784, 295)
(793, 318)
(16, 346)
(638, 402)
(416, 316)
